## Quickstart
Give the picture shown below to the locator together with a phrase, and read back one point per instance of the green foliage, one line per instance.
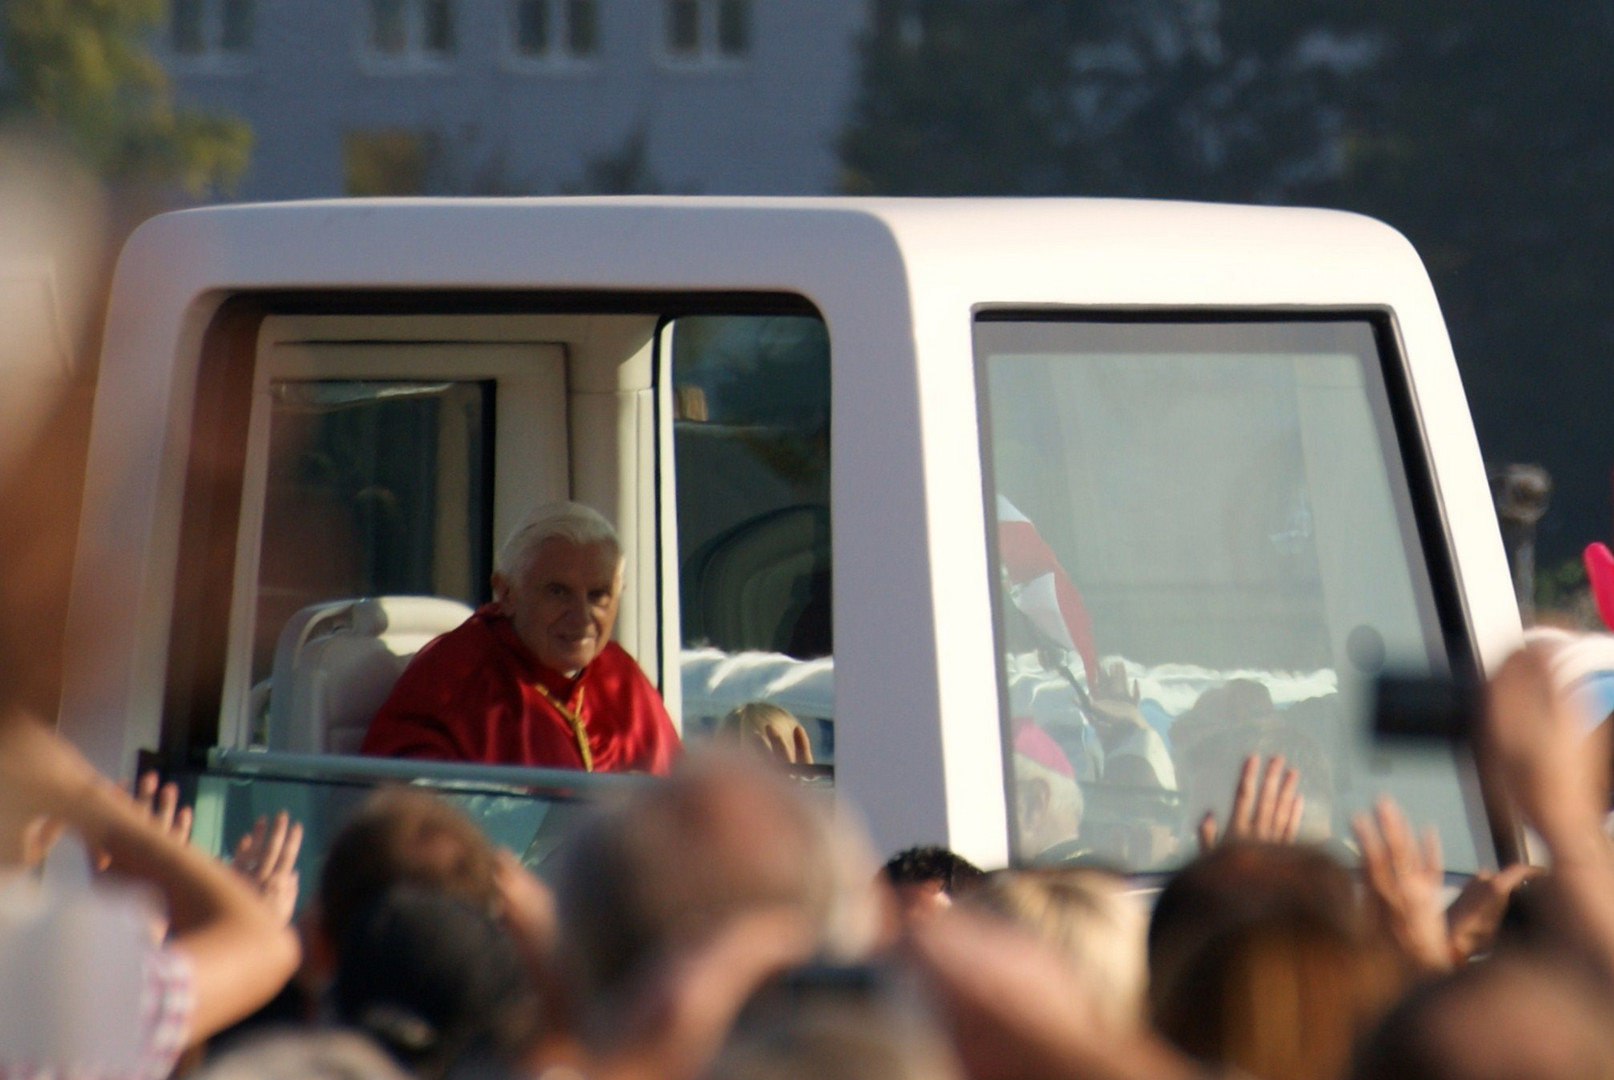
(1480, 130)
(83, 70)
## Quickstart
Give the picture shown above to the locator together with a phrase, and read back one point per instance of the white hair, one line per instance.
(582, 525)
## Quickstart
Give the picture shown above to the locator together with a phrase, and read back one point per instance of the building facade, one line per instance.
(368, 97)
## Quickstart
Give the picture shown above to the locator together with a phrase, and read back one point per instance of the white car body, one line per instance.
(898, 284)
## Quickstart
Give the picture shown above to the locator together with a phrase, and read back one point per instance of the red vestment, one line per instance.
(474, 694)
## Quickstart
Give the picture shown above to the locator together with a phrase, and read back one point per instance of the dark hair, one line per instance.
(404, 836)
(430, 977)
(931, 862)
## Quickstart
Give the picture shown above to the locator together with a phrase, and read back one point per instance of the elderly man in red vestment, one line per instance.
(533, 678)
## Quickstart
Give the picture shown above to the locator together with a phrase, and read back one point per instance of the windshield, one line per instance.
(1205, 548)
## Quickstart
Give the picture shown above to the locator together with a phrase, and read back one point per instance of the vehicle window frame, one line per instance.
(1413, 485)
(214, 454)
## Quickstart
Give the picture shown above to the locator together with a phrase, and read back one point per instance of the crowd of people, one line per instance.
(728, 923)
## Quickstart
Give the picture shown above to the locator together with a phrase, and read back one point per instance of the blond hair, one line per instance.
(1089, 917)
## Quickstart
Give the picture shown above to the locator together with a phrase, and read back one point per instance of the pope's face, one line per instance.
(564, 604)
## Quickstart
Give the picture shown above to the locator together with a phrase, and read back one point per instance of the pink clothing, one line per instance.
(167, 1003)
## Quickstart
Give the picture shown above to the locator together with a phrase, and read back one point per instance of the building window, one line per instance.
(555, 30)
(204, 28)
(706, 31)
(404, 28)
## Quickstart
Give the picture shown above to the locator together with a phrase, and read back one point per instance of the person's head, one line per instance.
(927, 878)
(433, 980)
(1090, 918)
(1285, 997)
(1047, 799)
(1502, 1019)
(402, 836)
(559, 581)
(854, 1041)
(764, 726)
(676, 862)
(1211, 757)
(1237, 884)
(303, 1055)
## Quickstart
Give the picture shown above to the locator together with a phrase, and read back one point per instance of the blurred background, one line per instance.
(1484, 132)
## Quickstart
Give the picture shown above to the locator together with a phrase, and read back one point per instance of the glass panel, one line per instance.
(751, 446)
(527, 819)
(374, 488)
(683, 27)
(583, 27)
(236, 33)
(438, 31)
(1206, 549)
(388, 34)
(532, 27)
(185, 34)
(734, 27)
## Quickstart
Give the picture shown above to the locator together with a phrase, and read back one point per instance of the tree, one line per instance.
(82, 69)
(1479, 130)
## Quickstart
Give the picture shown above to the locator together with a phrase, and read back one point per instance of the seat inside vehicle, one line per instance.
(336, 662)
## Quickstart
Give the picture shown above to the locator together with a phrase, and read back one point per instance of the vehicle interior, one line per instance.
(355, 465)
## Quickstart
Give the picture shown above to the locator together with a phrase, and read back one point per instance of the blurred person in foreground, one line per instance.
(436, 981)
(927, 879)
(676, 903)
(225, 951)
(95, 980)
(1541, 1006)
(533, 678)
(305, 1055)
(1090, 918)
(407, 838)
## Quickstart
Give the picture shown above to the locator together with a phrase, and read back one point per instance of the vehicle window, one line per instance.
(1205, 548)
(386, 480)
(374, 488)
(750, 443)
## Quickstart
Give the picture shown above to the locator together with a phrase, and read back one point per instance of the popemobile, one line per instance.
(1036, 516)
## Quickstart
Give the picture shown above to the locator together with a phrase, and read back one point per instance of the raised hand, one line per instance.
(1404, 877)
(1267, 805)
(161, 803)
(267, 857)
(1472, 919)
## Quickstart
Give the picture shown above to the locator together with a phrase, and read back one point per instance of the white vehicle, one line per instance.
(935, 475)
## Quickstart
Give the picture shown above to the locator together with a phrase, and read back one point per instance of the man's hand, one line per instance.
(1116, 699)
(1267, 805)
(267, 857)
(1404, 877)
(1473, 918)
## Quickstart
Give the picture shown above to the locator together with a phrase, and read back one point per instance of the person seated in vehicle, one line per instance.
(1048, 801)
(771, 729)
(533, 678)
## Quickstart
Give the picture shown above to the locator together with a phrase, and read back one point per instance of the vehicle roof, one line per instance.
(1129, 251)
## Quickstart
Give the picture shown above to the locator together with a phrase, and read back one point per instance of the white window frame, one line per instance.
(414, 57)
(707, 55)
(557, 57)
(213, 56)
(531, 459)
